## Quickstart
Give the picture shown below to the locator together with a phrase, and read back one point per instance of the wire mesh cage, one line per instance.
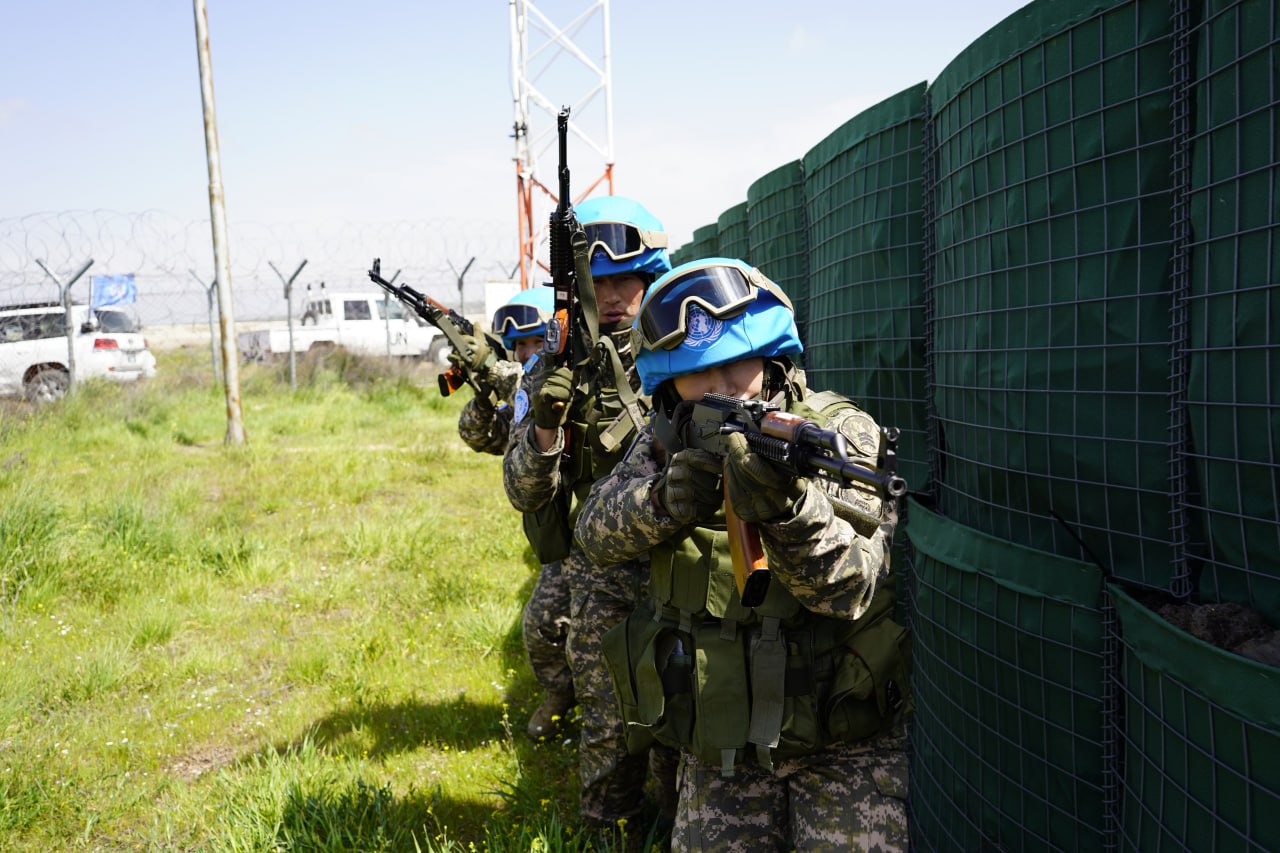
(1051, 297)
(863, 195)
(1233, 388)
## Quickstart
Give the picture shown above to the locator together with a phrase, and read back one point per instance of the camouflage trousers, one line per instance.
(845, 797)
(546, 627)
(612, 779)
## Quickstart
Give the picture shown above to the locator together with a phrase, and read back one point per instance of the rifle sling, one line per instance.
(633, 406)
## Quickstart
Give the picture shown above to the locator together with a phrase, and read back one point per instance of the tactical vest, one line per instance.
(603, 417)
(695, 670)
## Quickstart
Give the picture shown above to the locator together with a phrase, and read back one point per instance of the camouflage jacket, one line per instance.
(533, 478)
(826, 565)
(484, 427)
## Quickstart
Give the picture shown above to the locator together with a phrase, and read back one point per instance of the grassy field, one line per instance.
(310, 642)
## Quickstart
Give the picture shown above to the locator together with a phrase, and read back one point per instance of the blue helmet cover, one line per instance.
(542, 298)
(767, 328)
(615, 208)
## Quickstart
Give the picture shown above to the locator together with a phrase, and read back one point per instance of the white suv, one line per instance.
(33, 349)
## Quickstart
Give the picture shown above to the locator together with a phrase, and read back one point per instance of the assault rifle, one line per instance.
(797, 444)
(566, 270)
(450, 323)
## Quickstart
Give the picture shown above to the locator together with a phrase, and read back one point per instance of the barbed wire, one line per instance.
(172, 259)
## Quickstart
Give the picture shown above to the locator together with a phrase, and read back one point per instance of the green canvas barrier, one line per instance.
(705, 243)
(777, 235)
(1008, 733)
(732, 233)
(1233, 399)
(863, 198)
(1201, 741)
(1050, 332)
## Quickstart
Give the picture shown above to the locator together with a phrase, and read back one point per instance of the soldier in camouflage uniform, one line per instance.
(571, 427)
(790, 714)
(486, 427)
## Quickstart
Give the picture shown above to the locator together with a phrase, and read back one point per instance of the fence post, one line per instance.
(386, 313)
(288, 301)
(462, 304)
(65, 294)
(213, 336)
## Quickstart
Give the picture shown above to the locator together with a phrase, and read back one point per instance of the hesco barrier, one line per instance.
(1050, 302)
(731, 237)
(865, 325)
(1009, 742)
(1233, 395)
(777, 234)
(680, 255)
(1201, 741)
(705, 243)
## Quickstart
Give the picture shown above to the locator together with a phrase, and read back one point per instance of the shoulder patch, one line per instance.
(861, 431)
(520, 406)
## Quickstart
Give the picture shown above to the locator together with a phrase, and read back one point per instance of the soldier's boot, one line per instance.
(551, 714)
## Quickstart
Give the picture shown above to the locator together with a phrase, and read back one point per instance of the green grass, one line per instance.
(309, 642)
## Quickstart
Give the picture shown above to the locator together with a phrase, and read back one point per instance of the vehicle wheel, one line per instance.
(438, 352)
(47, 384)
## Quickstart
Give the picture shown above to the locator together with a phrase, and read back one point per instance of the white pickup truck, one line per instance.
(364, 323)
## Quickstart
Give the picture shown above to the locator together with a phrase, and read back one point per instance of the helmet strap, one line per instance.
(782, 380)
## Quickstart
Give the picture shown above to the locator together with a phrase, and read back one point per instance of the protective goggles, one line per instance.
(720, 290)
(512, 320)
(621, 240)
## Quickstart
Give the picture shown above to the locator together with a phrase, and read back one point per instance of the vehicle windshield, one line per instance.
(115, 321)
(390, 305)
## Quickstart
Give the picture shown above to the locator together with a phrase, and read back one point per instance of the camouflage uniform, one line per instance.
(545, 620)
(483, 427)
(601, 594)
(833, 572)
(846, 797)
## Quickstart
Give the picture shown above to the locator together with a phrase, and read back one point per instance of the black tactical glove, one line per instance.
(550, 402)
(691, 489)
(758, 489)
(474, 360)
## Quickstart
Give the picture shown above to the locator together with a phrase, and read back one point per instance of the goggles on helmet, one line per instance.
(510, 320)
(621, 240)
(723, 291)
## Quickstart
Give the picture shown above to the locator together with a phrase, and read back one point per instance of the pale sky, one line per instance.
(390, 110)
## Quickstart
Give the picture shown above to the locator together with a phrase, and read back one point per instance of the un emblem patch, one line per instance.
(521, 405)
(701, 329)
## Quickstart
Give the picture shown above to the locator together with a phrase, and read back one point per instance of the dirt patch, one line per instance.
(212, 757)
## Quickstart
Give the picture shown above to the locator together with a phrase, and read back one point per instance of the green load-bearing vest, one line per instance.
(605, 414)
(695, 670)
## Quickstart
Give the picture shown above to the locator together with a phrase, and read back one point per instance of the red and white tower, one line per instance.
(573, 59)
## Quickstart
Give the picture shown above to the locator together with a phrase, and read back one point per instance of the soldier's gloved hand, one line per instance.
(550, 403)
(472, 361)
(758, 489)
(691, 489)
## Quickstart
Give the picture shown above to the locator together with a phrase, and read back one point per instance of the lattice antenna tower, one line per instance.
(569, 59)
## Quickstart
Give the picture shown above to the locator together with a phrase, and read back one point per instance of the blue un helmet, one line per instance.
(524, 315)
(623, 237)
(710, 312)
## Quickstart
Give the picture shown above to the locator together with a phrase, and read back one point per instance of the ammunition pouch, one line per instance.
(547, 529)
(727, 692)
